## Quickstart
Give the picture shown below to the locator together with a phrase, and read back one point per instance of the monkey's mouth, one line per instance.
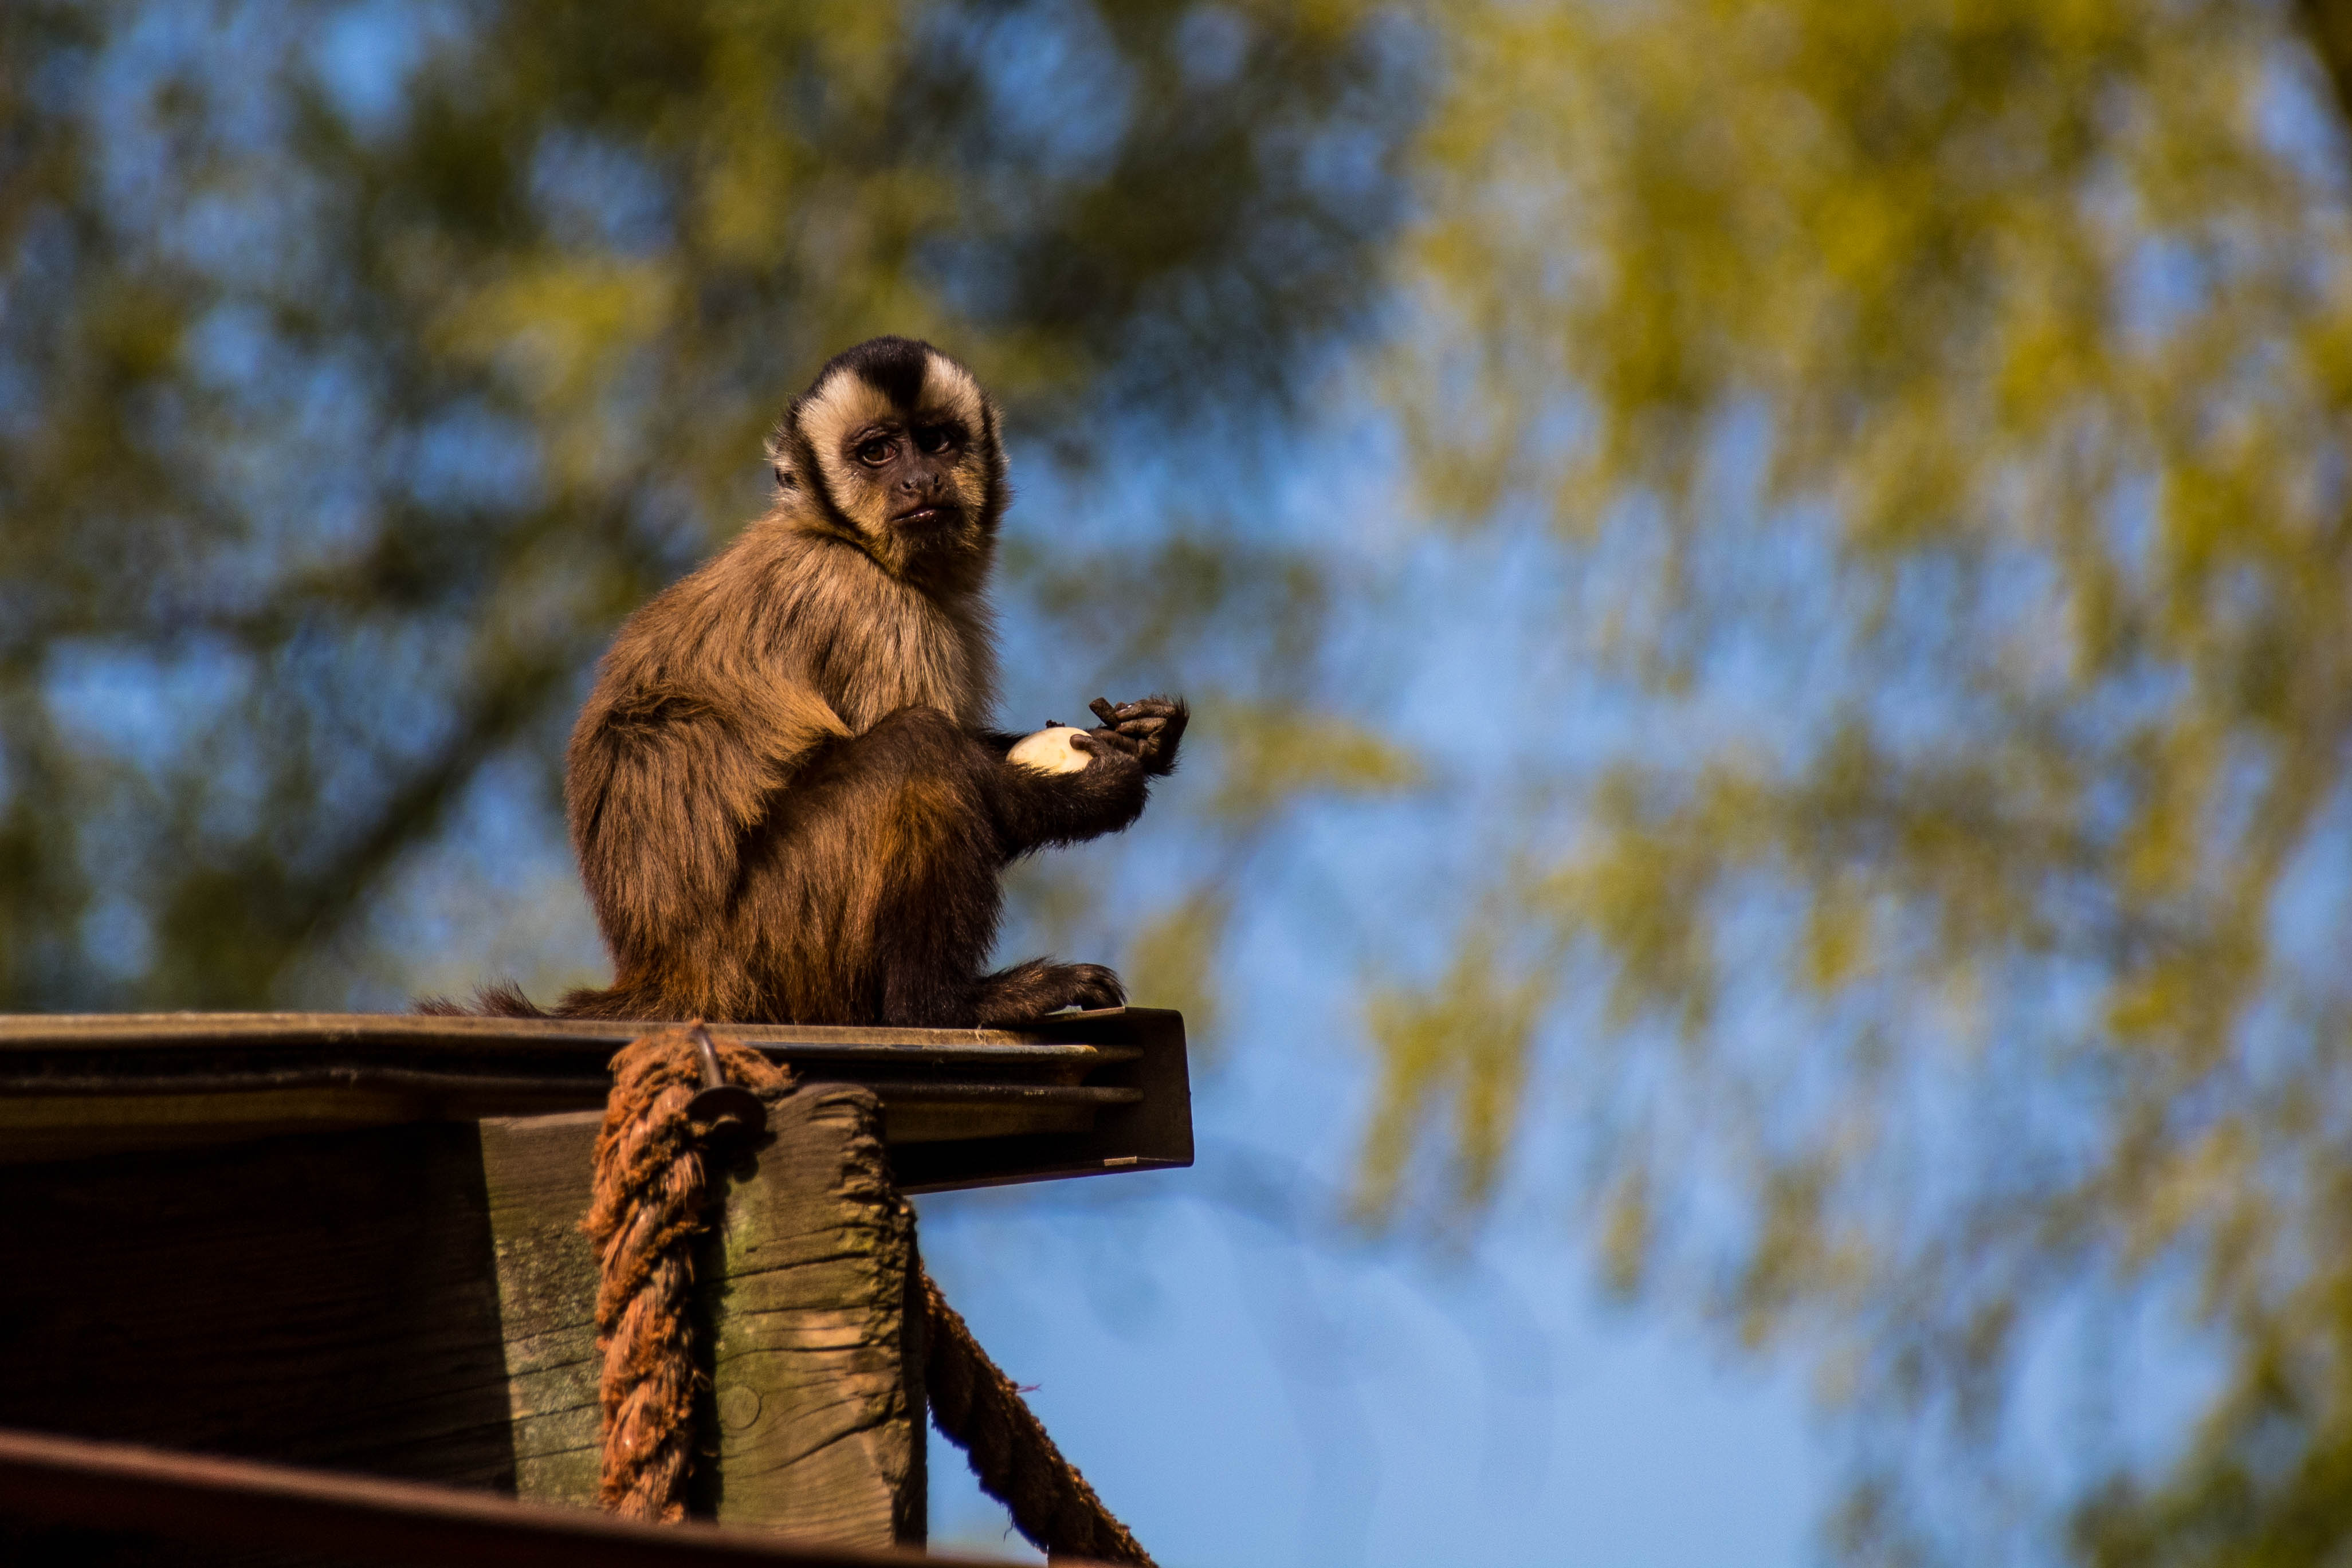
(924, 517)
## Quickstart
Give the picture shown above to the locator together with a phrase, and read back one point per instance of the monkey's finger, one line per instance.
(1142, 729)
(1100, 707)
(1113, 739)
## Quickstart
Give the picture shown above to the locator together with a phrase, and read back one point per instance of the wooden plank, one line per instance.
(96, 1031)
(1077, 1094)
(182, 1497)
(537, 1176)
(1151, 1129)
(817, 1380)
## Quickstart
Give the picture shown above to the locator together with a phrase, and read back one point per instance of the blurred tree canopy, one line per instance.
(1942, 405)
(361, 364)
(1950, 407)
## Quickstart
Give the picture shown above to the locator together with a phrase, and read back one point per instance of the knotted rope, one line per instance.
(652, 1203)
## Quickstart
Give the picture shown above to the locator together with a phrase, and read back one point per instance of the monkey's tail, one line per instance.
(502, 1000)
(505, 1001)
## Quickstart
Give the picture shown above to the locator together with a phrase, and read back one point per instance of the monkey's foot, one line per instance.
(1033, 989)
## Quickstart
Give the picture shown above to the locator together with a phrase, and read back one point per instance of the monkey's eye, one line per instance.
(875, 452)
(935, 438)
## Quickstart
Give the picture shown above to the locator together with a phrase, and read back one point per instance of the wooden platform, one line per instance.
(353, 1242)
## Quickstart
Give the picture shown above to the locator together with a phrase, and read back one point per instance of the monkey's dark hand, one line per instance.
(1147, 731)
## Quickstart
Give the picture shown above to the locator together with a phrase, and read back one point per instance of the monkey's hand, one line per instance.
(1147, 731)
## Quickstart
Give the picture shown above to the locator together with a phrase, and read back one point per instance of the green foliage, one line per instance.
(362, 365)
(1460, 1047)
(1173, 961)
(1974, 379)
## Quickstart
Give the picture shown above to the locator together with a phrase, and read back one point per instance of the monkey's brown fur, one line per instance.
(785, 801)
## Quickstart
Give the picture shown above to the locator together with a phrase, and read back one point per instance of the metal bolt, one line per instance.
(722, 1112)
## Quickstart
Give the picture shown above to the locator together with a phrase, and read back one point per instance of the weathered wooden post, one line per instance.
(816, 1368)
(353, 1241)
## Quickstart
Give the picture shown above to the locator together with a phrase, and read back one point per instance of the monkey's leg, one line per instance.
(1023, 808)
(870, 894)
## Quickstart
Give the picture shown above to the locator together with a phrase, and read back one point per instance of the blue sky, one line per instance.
(1243, 1394)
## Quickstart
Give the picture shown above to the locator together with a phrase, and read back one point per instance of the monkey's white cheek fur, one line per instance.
(1049, 751)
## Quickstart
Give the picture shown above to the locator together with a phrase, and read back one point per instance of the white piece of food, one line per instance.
(1049, 751)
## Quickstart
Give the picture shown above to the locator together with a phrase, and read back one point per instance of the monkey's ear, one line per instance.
(778, 450)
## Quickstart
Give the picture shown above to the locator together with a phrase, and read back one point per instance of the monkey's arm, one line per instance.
(1148, 731)
(1042, 800)
(1035, 809)
(663, 779)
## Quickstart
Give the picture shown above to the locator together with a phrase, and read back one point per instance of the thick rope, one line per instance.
(982, 1413)
(651, 1205)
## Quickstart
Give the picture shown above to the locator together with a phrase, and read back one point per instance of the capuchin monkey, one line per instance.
(785, 797)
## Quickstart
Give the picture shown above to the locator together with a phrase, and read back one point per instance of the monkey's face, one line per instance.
(903, 447)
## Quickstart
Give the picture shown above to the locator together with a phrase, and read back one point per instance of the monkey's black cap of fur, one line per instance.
(892, 365)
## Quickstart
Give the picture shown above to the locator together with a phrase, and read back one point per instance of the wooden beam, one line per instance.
(117, 1487)
(1077, 1094)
